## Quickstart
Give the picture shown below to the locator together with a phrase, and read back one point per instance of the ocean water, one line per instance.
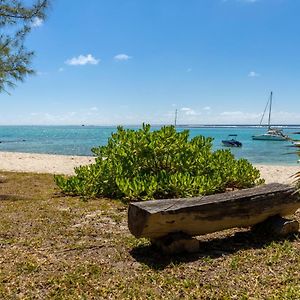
(78, 140)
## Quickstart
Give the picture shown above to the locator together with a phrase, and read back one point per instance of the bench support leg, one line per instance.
(277, 226)
(177, 242)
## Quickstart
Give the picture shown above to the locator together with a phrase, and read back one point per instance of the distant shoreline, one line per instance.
(289, 126)
(283, 126)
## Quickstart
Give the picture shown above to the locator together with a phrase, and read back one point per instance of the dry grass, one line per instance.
(54, 247)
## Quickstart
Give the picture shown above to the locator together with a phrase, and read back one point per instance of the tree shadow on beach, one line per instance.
(212, 248)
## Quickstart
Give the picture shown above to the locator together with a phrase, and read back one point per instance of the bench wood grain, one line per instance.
(202, 215)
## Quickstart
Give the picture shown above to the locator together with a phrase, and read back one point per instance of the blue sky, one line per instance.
(132, 61)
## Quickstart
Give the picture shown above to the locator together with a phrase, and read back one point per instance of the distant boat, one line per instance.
(296, 143)
(273, 134)
(232, 141)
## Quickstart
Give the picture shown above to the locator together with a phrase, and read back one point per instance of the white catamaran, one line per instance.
(273, 134)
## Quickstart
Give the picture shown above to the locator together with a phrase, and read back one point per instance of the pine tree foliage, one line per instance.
(16, 21)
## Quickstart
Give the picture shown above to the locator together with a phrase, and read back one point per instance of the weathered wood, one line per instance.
(201, 215)
(277, 226)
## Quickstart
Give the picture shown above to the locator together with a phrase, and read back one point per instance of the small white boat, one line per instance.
(273, 134)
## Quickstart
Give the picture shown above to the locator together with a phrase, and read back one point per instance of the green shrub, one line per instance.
(145, 164)
(297, 175)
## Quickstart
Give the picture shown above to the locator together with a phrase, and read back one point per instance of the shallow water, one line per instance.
(78, 140)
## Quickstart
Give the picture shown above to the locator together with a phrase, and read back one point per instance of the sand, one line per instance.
(281, 174)
(63, 164)
(42, 163)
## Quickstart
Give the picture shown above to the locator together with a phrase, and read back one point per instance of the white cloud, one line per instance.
(207, 108)
(82, 60)
(253, 74)
(105, 116)
(188, 111)
(238, 117)
(94, 108)
(232, 113)
(37, 22)
(283, 117)
(122, 57)
(187, 115)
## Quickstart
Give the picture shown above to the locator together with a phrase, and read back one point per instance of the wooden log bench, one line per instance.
(171, 223)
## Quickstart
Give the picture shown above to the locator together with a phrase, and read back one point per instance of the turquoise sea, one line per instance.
(78, 140)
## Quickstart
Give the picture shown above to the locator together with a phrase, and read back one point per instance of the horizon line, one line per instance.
(158, 124)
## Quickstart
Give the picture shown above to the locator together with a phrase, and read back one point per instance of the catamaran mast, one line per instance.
(176, 112)
(270, 110)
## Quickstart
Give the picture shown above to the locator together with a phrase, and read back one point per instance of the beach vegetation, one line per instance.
(297, 175)
(16, 20)
(154, 164)
(297, 181)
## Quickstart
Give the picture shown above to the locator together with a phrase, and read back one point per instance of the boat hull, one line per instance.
(232, 143)
(267, 137)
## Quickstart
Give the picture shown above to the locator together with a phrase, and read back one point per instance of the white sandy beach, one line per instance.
(63, 164)
(42, 163)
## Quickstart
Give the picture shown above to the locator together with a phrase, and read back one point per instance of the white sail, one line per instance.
(273, 134)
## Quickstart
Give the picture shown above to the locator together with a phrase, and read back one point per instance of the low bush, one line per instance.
(144, 164)
(297, 175)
